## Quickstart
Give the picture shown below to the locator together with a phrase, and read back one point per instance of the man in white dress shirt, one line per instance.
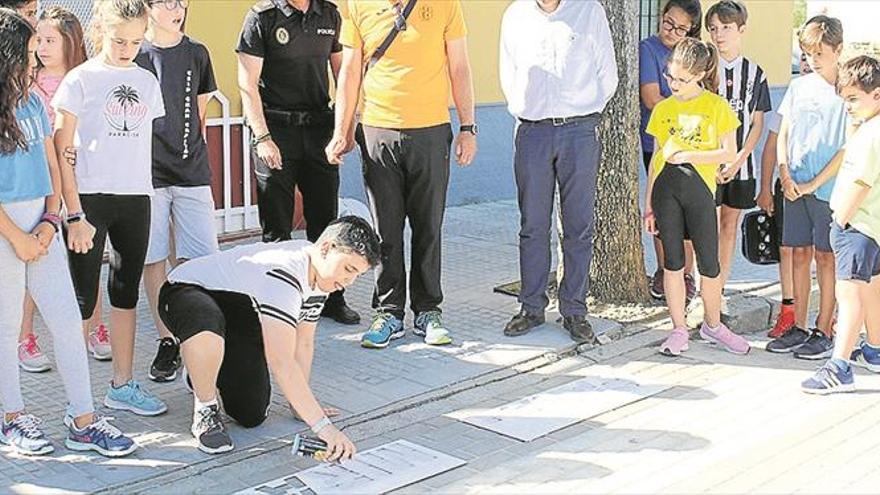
(558, 71)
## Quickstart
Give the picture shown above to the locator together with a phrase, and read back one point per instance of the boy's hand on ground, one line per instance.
(80, 236)
(339, 447)
(765, 201)
(330, 412)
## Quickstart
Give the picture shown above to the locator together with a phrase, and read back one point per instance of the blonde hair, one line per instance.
(862, 72)
(697, 56)
(818, 30)
(106, 13)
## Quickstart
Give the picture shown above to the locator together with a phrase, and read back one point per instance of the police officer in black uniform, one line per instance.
(283, 54)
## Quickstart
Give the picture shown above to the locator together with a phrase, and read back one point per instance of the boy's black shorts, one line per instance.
(738, 194)
(243, 382)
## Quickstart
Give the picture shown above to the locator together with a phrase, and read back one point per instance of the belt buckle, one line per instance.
(559, 121)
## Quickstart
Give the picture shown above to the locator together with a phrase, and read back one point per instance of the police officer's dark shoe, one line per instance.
(522, 323)
(580, 329)
(339, 311)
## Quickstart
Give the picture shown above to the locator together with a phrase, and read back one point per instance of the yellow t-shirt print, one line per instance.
(694, 125)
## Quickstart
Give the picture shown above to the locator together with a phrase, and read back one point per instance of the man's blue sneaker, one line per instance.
(866, 357)
(131, 397)
(385, 328)
(429, 324)
(834, 376)
(100, 436)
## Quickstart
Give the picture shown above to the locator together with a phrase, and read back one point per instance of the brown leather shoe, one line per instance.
(580, 329)
(522, 323)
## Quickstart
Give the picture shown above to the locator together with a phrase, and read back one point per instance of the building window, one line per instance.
(649, 17)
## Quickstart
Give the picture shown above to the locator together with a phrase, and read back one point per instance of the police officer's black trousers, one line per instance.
(406, 174)
(304, 164)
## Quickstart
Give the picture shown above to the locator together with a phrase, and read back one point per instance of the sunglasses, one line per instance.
(668, 25)
(171, 4)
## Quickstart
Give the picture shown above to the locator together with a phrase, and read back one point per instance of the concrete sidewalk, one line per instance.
(480, 251)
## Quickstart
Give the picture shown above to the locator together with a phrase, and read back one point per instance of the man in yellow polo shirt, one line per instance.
(405, 137)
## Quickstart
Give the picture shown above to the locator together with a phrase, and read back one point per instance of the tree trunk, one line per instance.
(618, 270)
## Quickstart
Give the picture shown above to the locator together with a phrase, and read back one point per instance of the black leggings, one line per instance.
(126, 220)
(684, 207)
(243, 381)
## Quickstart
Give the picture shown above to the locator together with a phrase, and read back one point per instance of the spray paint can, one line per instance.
(304, 446)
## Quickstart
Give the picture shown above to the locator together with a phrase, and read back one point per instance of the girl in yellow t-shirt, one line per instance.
(694, 135)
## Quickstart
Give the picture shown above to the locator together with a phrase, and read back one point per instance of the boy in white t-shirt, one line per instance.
(243, 313)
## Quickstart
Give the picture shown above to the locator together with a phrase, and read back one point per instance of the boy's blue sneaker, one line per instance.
(429, 325)
(131, 397)
(833, 377)
(24, 435)
(866, 357)
(385, 328)
(100, 436)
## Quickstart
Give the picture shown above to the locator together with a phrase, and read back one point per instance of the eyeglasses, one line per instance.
(669, 77)
(668, 25)
(172, 4)
(400, 19)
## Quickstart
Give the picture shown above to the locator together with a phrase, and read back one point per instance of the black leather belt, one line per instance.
(298, 118)
(559, 121)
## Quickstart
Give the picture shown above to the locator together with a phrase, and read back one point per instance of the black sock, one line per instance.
(788, 302)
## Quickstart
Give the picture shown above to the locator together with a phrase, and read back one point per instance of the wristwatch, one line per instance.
(471, 128)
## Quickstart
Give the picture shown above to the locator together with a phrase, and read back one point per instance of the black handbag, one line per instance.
(760, 238)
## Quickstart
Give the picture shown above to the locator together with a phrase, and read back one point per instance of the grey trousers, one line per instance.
(48, 280)
(547, 157)
(406, 174)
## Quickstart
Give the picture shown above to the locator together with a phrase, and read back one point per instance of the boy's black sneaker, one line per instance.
(818, 346)
(210, 431)
(790, 340)
(167, 361)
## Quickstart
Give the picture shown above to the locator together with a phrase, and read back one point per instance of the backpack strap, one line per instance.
(386, 43)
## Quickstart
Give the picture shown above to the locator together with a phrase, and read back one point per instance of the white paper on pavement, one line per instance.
(543, 413)
(379, 470)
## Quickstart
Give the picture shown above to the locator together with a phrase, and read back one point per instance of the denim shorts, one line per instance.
(807, 223)
(856, 256)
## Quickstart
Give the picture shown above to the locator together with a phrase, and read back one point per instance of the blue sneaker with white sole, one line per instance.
(100, 436)
(132, 397)
(866, 357)
(833, 377)
(429, 325)
(385, 328)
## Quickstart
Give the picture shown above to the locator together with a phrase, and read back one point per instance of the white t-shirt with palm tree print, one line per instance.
(115, 108)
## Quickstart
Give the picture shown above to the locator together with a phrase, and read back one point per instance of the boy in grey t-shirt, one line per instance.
(181, 172)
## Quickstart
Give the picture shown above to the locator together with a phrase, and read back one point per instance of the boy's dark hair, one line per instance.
(818, 30)
(862, 72)
(15, 34)
(14, 4)
(728, 12)
(693, 9)
(351, 234)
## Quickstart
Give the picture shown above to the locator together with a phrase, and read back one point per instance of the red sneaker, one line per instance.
(784, 321)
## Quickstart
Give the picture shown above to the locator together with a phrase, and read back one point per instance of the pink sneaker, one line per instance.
(723, 336)
(31, 357)
(99, 343)
(676, 343)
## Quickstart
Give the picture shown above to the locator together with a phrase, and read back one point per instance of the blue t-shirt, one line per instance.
(652, 62)
(24, 174)
(817, 122)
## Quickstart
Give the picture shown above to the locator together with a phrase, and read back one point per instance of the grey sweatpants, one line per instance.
(48, 281)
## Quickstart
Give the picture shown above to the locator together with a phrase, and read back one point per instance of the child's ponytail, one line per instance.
(711, 81)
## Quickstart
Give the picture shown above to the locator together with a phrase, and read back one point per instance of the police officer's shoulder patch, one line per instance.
(263, 6)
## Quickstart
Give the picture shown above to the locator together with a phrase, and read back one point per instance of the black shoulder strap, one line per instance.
(380, 51)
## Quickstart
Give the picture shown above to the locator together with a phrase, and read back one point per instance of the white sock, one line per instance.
(198, 405)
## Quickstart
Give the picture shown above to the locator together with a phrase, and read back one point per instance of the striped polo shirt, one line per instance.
(274, 275)
(744, 85)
